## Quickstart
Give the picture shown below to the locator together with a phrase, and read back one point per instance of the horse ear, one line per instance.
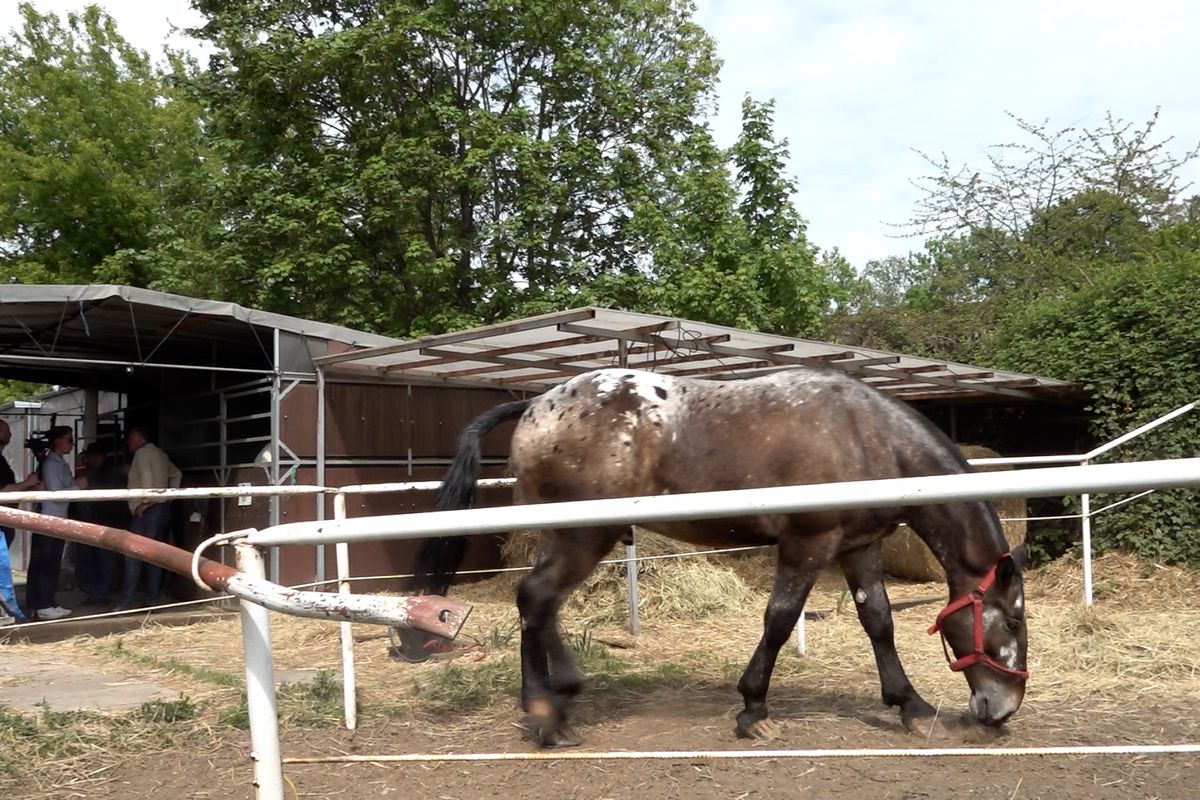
(1006, 568)
(1020, 557)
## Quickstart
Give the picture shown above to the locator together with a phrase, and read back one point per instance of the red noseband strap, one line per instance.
(977, 655)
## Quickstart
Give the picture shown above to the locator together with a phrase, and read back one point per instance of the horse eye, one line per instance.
(1013, 624)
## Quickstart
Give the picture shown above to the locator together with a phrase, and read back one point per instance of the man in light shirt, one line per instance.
(46, 552)
(150, 469)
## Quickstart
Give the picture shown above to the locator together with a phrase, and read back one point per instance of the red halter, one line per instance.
(975, 599)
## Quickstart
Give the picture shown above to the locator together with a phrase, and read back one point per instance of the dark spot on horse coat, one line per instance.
(583, 414)
(661, 392)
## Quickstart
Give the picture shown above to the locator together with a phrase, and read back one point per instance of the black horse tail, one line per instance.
(438, 559)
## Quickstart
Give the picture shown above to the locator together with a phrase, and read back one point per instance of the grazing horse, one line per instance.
(622, 432)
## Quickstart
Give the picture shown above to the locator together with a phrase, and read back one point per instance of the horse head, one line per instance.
(986, 631)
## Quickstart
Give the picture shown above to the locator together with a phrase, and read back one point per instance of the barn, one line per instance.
(240, 396)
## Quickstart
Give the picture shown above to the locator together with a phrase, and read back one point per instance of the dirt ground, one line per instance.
(698, 718)
(1127, 672)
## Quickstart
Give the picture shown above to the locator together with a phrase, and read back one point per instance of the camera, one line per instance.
(38, 443)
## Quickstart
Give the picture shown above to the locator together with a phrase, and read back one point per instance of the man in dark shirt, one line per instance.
(96, 567)
(8, 481)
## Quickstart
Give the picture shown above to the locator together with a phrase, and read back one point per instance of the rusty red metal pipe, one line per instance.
(429, 613)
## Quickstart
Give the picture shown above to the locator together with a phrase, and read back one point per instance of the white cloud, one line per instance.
(147, 24)
(859, 85)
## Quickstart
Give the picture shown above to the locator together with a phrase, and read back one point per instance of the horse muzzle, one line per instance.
(993, 705)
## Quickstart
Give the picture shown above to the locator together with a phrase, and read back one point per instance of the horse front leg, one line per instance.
(863, 568)
(794, 578)
(550, 680)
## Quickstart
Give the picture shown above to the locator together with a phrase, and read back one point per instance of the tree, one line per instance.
(794, 286)
(417, 166)
(1045, 217)
(90, 131)
(1013, 199)
(412, 167)
(1074, 257)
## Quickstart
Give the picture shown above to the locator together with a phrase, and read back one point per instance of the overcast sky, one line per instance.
(860, 85)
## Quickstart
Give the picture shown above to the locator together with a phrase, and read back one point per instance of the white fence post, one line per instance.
(1085, 510)
(349, 681)
(631, 584)
(260, 684)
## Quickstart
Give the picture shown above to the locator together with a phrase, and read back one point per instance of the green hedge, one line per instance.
(1132, 341)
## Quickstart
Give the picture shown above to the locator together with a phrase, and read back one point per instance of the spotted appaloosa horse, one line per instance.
(621, 432)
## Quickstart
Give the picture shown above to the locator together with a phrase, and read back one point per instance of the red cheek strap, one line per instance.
(977, 654)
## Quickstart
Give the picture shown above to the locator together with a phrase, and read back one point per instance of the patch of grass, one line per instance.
(317, 704)
(499, 638)
(214, 676)
(609, 674)
(309, 705)
(167, 710)
(463, 688)
(16, 725)
(48, 748)
(236, 717)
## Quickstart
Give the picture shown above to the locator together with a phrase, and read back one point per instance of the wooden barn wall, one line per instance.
(418, 426)
(379, 421)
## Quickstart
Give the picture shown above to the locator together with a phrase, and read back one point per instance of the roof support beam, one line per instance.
(532, 323)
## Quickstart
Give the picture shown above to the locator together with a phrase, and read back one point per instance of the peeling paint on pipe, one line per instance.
(429, 613)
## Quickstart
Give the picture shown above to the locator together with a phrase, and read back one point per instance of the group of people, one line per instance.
(95, 568)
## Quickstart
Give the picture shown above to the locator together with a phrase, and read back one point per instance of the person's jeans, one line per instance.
(45, 564)
(152, 524)
(8, 592)
(94, 570)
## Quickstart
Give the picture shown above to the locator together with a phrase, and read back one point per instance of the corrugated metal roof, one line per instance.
(538, 352)
(57, 333)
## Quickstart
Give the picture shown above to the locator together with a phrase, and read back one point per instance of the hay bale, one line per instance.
(906, 556)
(668, 588)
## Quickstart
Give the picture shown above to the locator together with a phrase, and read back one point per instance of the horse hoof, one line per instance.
(559, 736)
(763, 729)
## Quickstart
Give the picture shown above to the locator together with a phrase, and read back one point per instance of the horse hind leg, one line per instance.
(863, 568)
(794, 577)
(549, 678)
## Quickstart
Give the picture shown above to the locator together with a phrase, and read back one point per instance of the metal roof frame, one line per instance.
(65, 333)
(536, 353)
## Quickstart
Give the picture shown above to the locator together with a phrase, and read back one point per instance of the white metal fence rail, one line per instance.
(1084, 479)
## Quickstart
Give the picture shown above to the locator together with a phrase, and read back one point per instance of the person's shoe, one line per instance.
(6, 620)
(54, 612)
(122, 607)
